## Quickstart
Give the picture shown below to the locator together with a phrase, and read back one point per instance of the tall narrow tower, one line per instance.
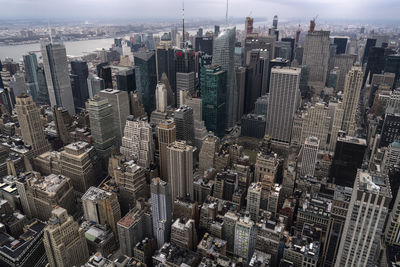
(161, 203)
(31, 124)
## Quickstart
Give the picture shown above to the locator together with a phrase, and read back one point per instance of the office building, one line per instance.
(284, 99)
(43, 93)
(161, 202)
(185, 82)
(316, 56)
(64, 241)
(341, 44)
(161, 98)
(183, 118)
(301, 252)
(180, 169)
(223, 55)
(78, 162)
(392, 234)
(248, 25)
(204, 44)
(253, 200)
(79, 76)
(101, 207)
(309, 158)
(31, 70)
(126, 80)
(39, 194)
(352, 89)
(101, 125)
(392, 65)
(146, 79)
(390, 129)
(31, 124)
(344, 63)
(245, 238)
(57, 76)
(253, 125)
(348, 157)
(137, 143)
(119, 101)
(366, 216)
(166, 132)
(165, 63)
(95, 85)
(183, 233)
(213, 87)
(134, 227)
(391, 157)
(207, 153)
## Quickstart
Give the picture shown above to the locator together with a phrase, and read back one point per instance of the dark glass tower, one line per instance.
(31, 65)
(341, 44)
(146, 79)
(213, 93)
(79, 75)
(204, 44)
(104, 72)
(393, 65)
(126, 80)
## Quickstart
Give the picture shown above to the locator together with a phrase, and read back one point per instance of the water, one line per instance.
(74, 48)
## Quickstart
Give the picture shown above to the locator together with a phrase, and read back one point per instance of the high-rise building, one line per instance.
(57, 76)
(309, 158)
(39, 195)
(228, 230)
(223, 55)
(43, 93)
(119, 101)
(344, 62)
(126, 80)
(341, 44)
(253, 200)
(79, 76)
(146, 79)
(161, 210)
(184, 122)
(101, 207)
(101, 125)
(248, 25)
(31, 67)
(161, 98)
(245, 237)
(284, 99)
(95, 85)
(183, 233)
(392, 231)
(390, 129)
(213, 86)
(31, 124)
(180, 169)
(166, 132)
(253, 80)
(392, 65)
(137, 143)
(185, 82)
(64, 241)
(77, 161)
(275, 22)
(207, 153)
(365, 220)
(391, 157)
(165, 63)
(204, 44)
(352, 89)
(316, 56)
(348, 157)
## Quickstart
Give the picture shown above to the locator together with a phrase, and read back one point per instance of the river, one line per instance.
(74, 48)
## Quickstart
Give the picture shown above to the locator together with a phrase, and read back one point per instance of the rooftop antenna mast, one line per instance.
(51, 37)
(183, 23)
(226, 16)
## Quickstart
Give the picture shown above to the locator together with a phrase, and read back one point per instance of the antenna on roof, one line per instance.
(51, 38)
(226, 16)
(183, 23)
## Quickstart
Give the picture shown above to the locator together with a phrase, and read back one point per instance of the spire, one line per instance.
(51, 38)
(183, 23)
(226, 16)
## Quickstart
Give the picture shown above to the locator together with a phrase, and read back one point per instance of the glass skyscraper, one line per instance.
(224, 56)
(79, 75)
(213, 93)
(146, 80)
(31, 67)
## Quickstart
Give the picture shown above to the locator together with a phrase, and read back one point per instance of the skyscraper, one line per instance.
(166, 132)
(101, 207)
(184, 122)
(119, 101)
(126, 80)
(64, 241)
(79, 76)
(95, 85)
(275, 22)
(180, 169)
(161, 97)
(31, 124)
(137, 143)
(161, 203)
(316, 56)
(352, 89)
(223, 55)
(245, 237)
(146, 79)
(309, 158)
(344, 62)
(284, 100)
(366, 216)
(213, 93)
(253, 200)
(31, 66)
(57, 76)
(341, 43)
(101, 125)
(249, 25)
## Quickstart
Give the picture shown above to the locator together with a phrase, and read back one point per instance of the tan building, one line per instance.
(39, 195)
(266, 164)
(183, 233)
(48, 163)
(64, 241)
(101, 207)
(31, 124)
(207, 153)
(166, 132)
(77, 162)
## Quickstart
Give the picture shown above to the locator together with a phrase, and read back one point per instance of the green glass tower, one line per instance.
(213, 84)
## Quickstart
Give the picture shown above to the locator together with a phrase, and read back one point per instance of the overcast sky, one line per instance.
(145, 9)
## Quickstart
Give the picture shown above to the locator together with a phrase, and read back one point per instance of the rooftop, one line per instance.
(94, 193)
(50, 183)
